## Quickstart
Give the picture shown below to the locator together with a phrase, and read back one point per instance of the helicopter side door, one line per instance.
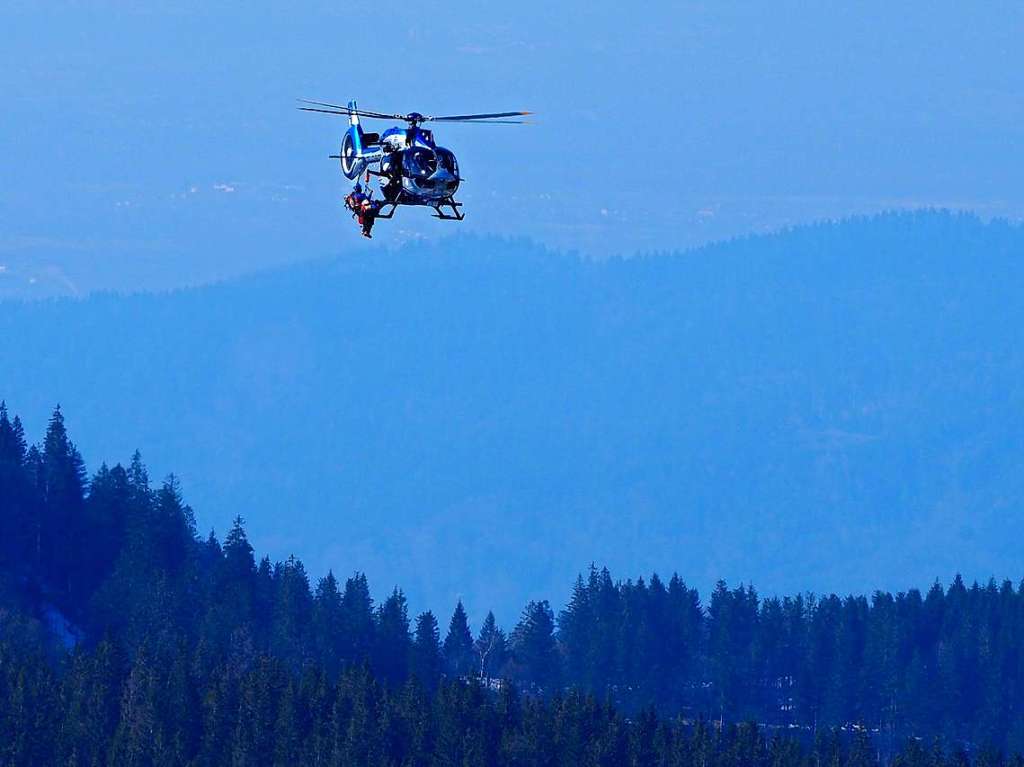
(391, 176)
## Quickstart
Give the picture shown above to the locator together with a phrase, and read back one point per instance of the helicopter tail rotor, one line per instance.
(351, 164)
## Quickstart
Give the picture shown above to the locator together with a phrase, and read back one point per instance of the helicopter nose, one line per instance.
(442, 180)
(443, 176)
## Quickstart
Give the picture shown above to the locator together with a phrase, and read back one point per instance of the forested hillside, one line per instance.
(126, 634)
(837, 407)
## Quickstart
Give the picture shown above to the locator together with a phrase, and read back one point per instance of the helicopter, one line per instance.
(411, 167)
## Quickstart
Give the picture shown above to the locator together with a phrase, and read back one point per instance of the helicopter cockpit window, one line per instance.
(420, 162)
(447, 161)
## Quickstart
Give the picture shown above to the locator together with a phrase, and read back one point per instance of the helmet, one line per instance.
(358, 189)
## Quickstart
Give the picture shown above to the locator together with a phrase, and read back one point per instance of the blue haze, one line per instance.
(839, 407)
(155, 144)
(835, 408)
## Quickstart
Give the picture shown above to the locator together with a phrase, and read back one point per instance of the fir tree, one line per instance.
(173, 527)
(392, 640)
(63, 486)
(358, 619)
(106, 512)
(237, 577)
(426, 660)
(534, 649)
(577, 628)
(458, 644)
(328, 624)
(15, 519)
(293, 607)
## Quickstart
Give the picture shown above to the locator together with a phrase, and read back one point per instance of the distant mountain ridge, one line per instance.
(836, 407)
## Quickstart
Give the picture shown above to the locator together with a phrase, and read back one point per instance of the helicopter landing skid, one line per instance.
(455, 215)
(388, 208)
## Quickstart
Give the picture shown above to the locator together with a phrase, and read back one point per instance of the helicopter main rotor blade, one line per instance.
(472, 118)
(492, 122)
(485, 117)
(346, 113)
(345, 110)
(325, 111)
(378, 117)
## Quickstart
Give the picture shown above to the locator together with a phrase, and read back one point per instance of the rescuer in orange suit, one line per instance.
(363, 208)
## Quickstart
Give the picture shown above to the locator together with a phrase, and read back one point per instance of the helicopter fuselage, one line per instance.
(412, 163)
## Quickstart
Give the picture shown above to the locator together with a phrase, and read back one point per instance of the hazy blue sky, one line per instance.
(151, 144)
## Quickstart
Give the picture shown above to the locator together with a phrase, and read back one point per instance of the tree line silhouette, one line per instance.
(127, 638)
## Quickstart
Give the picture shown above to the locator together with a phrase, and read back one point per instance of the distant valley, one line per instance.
(836, 407)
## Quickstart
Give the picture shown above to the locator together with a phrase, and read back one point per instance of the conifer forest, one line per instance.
(128, 637)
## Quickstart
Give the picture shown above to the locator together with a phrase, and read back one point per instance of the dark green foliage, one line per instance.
(16, 521)
(91, 704)
(458, 644)
(426, 660)
(533, 647)
(60, 525)
(491, 649)
(391, 657)
(292, 613)
(30, 700)
(358, 619)
(127, 640)
(328, 624)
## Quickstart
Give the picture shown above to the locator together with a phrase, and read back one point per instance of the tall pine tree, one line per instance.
(458, 644)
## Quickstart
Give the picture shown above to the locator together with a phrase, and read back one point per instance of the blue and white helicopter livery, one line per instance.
(411, 167)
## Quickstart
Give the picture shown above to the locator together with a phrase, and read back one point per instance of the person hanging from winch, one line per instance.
(364, 208)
